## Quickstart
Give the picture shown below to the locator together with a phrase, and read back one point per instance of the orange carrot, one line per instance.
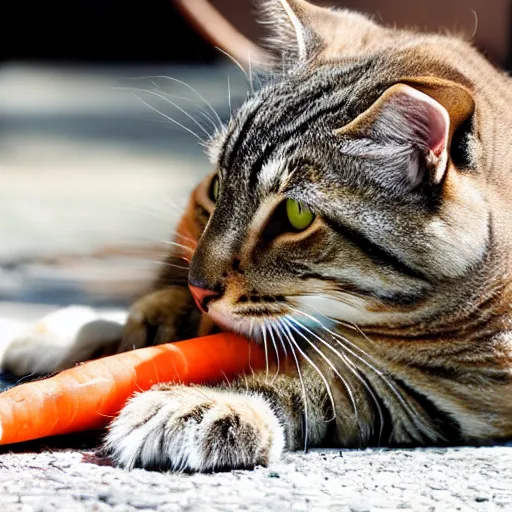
(89, 395)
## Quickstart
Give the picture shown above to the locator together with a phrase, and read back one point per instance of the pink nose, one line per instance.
(202, 296)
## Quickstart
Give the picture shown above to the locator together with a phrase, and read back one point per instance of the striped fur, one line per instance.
(396, 300)
(394, 303)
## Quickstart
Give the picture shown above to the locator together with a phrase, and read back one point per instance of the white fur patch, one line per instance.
(60, 339)
(150, 430)
(270, 172)
(352, 309)
(460, 244)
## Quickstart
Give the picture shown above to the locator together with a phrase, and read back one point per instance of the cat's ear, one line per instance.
(300, 30)
(409, 131)
(287, 21)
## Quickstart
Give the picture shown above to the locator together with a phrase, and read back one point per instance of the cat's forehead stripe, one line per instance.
(259, 141)
(279, 113)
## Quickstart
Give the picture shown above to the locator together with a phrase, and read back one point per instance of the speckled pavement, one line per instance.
(444, 480)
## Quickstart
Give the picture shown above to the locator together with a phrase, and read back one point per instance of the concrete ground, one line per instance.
(469, 479)
(84, 165)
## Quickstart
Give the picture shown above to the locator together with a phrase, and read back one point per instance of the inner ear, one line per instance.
(408, 122)
(455, 98)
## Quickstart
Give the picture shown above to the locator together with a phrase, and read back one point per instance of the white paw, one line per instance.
(62, 339)
(195, 429)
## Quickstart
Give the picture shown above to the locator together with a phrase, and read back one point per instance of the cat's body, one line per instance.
(395, 295)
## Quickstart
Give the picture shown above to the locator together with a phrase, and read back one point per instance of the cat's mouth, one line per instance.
(246, 321)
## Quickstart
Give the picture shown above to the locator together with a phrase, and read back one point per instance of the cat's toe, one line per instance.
(195, 429)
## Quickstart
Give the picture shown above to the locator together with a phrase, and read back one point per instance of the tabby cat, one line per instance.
(359, 218)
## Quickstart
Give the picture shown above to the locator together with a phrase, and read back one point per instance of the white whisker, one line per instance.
(196, 104)
(229, 98)
(169, 118)
(250, 74)
(233, 60)
(354, 370)
(276, 350)
(184, 237)
(200, 96)
(176, 244)
(178, 209)
(175, 105)
(264, 334)
(293, 325)
(341, 340)
(406, 407)
(321, 375)
(304, 394)
(158, 212)
(251, 327)
(167, 264)
(353, 345)
(348, 325)
(209, 119)
(330, 318)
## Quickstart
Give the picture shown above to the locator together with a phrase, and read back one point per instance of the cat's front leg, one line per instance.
(202, 428)
(162, 316)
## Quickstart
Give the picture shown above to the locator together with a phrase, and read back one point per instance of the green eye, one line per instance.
(214, 188)
(299, 216)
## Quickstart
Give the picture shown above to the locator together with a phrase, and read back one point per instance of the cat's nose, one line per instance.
(203, 296)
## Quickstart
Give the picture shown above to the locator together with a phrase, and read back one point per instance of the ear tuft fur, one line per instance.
(301, 32)
(290, 34)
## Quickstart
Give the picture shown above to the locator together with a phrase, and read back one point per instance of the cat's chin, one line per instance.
(230, 323)
(247, 326)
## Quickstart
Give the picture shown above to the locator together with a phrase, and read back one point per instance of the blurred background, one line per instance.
(94, 166)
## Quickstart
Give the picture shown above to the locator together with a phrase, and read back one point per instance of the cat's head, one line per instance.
(344, 187)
